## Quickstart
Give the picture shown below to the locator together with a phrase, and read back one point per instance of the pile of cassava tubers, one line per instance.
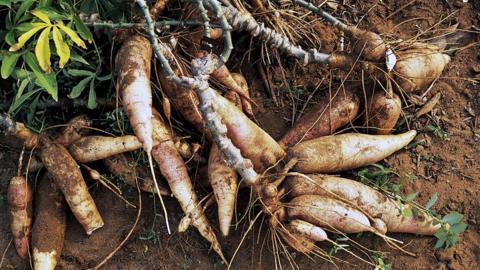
(289, 177)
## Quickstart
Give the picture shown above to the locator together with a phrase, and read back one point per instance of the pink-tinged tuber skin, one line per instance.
(20, 202)
(244, 134)
(133, 81)
(383, 111)
(175, 172)
(323, 118)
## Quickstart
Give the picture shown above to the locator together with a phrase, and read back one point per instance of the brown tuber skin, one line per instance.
(49, 227)
(342, 152)
(242, 83)
(76, 128)
(418, 65)
(65, 172)
(370, 44)
(184, 100)
(384, 211)
(92, 148)
(224, 182)
(20, 202)
(383, 111)
(323, 118)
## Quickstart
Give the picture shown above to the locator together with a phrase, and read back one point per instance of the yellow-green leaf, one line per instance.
(25, 37)
(42, 16)
(42, 50)
(71, 34)
(62, 48)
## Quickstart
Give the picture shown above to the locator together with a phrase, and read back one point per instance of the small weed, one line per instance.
(338, 246)
(380, 262)
(439, 132)
(428, 157)
(452, 226)
(186, 262)
(379, 176)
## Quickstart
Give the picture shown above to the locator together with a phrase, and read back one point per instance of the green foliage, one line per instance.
(40, 43)
(379, 176)
(89, 78)
(339, 244)
(29, 28)
(451, 227)
(380, 263)
(438, 132)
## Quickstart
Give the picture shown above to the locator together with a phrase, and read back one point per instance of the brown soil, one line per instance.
(449, 166)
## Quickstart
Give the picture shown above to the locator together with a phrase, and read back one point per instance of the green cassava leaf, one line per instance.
(8, 64)
(80, 72)
(77, 58)
(22, 10)
(92, 96)
(78, 89)
(19, 101)
(410, 197)
(47, 81)
(82, 29)
(6, 3)
(440, 242)
(24, 27)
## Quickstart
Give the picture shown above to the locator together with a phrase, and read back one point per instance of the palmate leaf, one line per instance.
(62, 48)
(42, 50)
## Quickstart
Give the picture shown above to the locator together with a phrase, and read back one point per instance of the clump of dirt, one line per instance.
(446, 161)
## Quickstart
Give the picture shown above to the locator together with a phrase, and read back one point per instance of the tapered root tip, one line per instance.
(93, 227)
(44, 260)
